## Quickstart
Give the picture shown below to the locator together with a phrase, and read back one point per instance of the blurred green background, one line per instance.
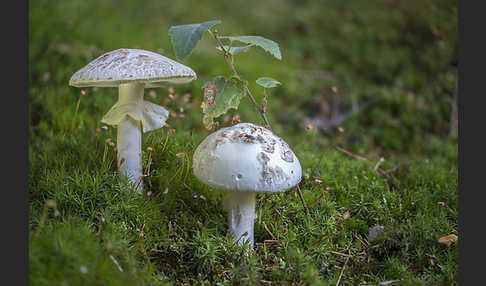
(396, 59)
(375, 77)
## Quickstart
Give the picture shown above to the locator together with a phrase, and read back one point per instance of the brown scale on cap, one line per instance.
(285, 152)
(271, 175)
(269, 145)
(255, 135)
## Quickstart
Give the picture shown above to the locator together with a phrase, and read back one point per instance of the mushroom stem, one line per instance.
(129, 136)
(241, 215)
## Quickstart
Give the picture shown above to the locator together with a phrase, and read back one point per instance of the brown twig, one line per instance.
(271, 241)
(383, 173)
(41, 222)
(355, 156)
(378, 163)
(116, 263)
(342, 271)
(391, 170)
(384, 283)
(189, 188)
(185, 205)
(261, 199)
(105, 153)
(360, 158)
(364, 243)
(342, 254)
(302, 199)
(269, 232)
(147, 170)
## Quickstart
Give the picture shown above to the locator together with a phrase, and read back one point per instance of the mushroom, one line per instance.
(245, 159)
(132, 70)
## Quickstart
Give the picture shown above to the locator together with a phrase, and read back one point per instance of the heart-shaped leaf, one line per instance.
(220, 95)
(185, 37)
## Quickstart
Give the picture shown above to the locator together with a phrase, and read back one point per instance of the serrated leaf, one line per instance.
(235, 50)
(266, 44)
(185, 37)
(268, 82)
(220, 95)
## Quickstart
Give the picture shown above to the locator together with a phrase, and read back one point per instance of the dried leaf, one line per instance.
(346, 215)
(219, 96)
(448, 239)
(310, 126)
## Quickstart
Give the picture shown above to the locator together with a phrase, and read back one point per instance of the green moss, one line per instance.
(401, 65)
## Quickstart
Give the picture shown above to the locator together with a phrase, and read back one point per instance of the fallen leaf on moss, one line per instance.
(448, 239)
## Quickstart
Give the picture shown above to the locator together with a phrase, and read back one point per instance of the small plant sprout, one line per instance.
(266, 82)
(245, 159)
(132, 70)
(222, 94)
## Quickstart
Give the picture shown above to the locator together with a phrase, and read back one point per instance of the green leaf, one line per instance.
(268, 82)
(266, 44)
(185, 37)
(235, 50)
(219, 96)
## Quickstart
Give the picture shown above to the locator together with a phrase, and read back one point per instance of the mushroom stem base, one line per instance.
(129, 157)
(241, 215)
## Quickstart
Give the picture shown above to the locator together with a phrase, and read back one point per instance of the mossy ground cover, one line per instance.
(396, 60)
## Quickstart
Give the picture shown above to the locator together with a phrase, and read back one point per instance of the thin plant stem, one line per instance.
(188, 170)
(149, 162)
(166, 140)
(41, 222)
(181, 170)
(75, 113)
(229, 60)
(64, 134)
(105, 153)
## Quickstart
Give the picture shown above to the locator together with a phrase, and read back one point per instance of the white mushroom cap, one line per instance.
(131, 65)
(246, 157)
